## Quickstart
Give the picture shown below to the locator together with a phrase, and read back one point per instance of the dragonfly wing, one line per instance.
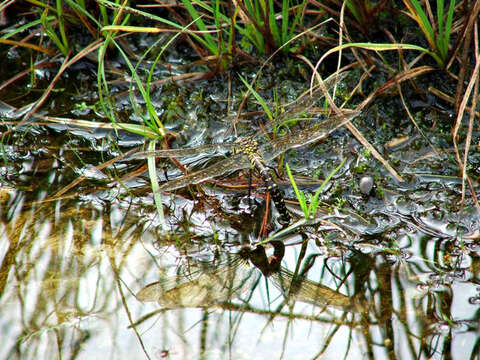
(300, 289)
(306, 136)
(307, 101)
(192, 151)
(233, 163)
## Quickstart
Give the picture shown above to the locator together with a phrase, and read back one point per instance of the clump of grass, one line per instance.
(261, 23)
(261, 28)
(437, 29)
(223, 31)
(49, 31)
(361, 15)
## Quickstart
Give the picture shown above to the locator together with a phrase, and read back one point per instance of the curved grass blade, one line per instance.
(378, 47)
(157, 195)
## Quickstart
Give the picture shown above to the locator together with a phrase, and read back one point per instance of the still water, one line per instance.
(92, 277)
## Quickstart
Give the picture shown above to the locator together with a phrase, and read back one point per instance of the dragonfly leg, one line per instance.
(249, 185)
(274, 170)
(166, 174)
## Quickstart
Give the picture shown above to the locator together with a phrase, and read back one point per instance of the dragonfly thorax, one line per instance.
(251, 149)
(247, 146)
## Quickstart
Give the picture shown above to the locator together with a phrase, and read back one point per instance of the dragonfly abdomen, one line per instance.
(277, 197)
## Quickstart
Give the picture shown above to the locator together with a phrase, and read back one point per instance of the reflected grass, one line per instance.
(71, 269)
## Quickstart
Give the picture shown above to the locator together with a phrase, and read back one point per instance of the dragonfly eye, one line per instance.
(241, 140)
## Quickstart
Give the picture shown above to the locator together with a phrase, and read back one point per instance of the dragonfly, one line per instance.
(256, 150)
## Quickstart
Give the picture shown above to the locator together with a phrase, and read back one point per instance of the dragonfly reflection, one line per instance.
(197, 286)
(202, 285)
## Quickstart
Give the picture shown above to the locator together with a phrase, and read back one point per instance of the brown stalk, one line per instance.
(472, 84)
(404, 76)
(27, 46)
(449, 99)
(85, 22)
(263, 232)
(358, 135)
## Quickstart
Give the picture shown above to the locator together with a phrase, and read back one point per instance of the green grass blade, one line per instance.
(81, 9)
(147, 15)
(285, 18)
(257, 12)
(300, 195)
(313, 206)
(273, 23)
(218, 25)
(295, 22)
(61, 24)
(141, 88)
(133, 128)
(423, 22)
(353, 9)
(27, 26)
(445, 35)
(381, 47)
(259, 98)
(51, 33)
(209, 42)
(284, 232)
(440, 5)
(102, 82)
(103, 13)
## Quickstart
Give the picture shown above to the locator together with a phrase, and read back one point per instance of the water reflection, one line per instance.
(70, 271)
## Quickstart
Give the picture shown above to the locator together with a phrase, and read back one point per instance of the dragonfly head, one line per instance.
(271, 264)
